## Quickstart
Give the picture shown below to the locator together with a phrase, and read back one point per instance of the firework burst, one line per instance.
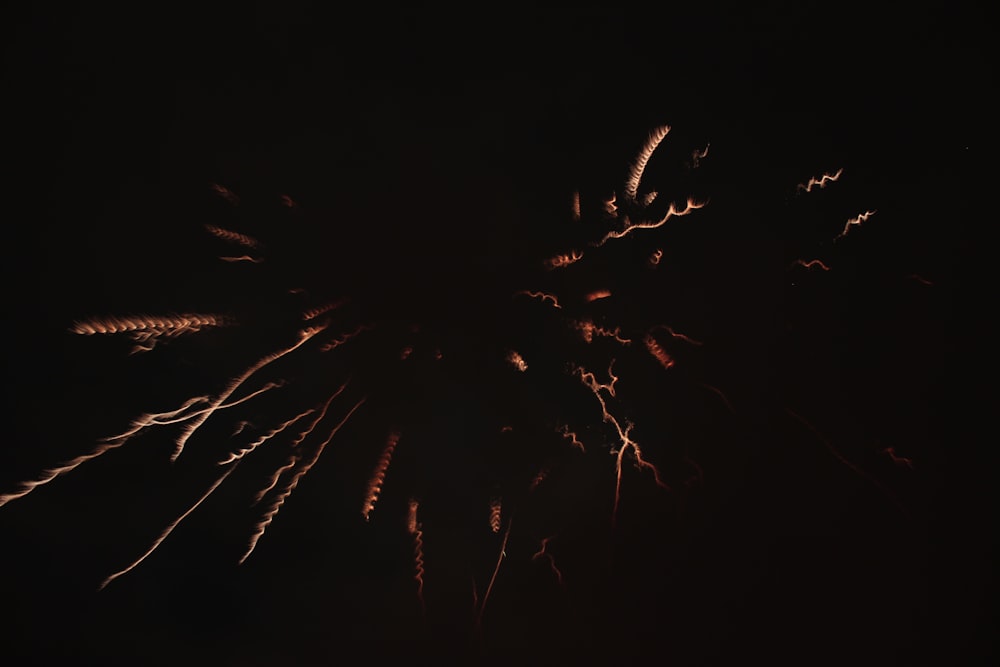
(575, 404)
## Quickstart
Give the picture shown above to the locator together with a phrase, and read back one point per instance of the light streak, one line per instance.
(543, 296)
(855, 221)
(821, 182)
(544, 553)
(811, 264)
(378, 477)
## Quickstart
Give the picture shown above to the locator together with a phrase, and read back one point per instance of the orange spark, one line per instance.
(571, 436)
(242, 258)
(493, 578)
(898, 460)
(639, 166)
(294, 457)
(169, 529)
(598, 294)
(240, 453)
(560, 261)
(718, 392)
(147, 330)
(495, 507)
(655, 349)
(288, 202)
(313, 313)
(576, 206)
(854, 221)
(190, 409)
(624, 438)
(304, 335)
(821, 183)
(233, 237)
(610, 205)
(543, 553)
(590, 380)
(588, 330)
(225, 193)
(672, 212)
(414, 528)
(297, 475)
(674, 334)
(697, 156)
(655, 258)
(540, 295)
(375, 483)
(858, 471)
(517, 361)
(811, 264)
(344, 338)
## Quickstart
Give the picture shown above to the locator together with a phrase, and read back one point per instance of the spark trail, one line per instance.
(304, 336)
(170, 528)
(301, 469)
(414, 528)
(378, 477)
(821, 182)
(544, 553)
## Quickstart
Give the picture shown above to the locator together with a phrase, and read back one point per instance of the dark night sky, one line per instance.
(433, 158)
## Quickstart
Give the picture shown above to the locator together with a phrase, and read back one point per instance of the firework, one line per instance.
(577, 377)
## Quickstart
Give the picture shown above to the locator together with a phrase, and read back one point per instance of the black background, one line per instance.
(435, 154)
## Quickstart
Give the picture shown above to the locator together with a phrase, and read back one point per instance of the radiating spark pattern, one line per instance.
(304, 432)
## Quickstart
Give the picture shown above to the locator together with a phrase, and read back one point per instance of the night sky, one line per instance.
(432, 159)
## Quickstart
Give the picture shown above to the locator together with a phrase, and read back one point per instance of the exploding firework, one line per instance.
(577, 408)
